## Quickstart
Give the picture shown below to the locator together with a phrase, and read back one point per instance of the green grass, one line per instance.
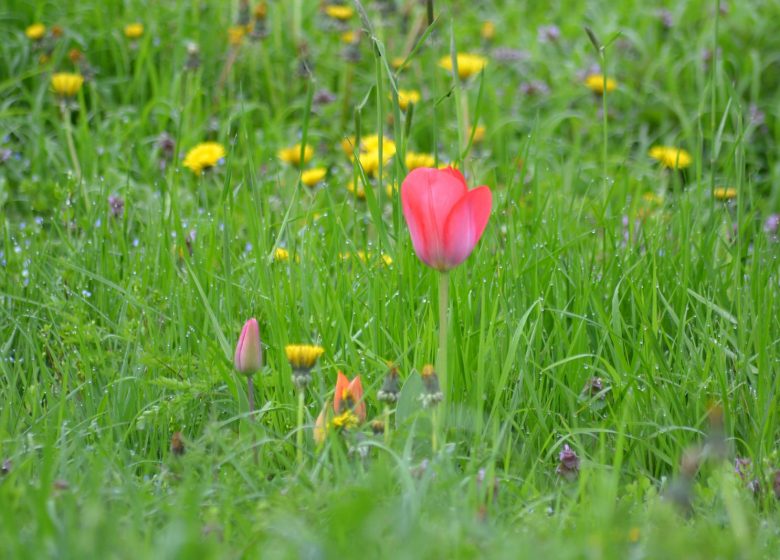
(113, 335)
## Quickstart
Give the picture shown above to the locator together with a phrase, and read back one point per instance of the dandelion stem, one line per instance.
(299, 432)
(223, 76)
(297, 10)
(72, 148)
(605, 123)
(444, 286)
(387, 414)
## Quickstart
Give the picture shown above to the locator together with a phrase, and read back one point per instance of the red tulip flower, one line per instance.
(249, 352)
(349, 396)
(248, 359)
(445, 218)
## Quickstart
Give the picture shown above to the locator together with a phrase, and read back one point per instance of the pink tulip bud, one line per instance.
(445, 218)
(249, 351)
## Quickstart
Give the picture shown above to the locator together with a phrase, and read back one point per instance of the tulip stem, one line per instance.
(299, 433)
(444, 287)
(250, 384)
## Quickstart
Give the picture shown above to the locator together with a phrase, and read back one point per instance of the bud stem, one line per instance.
(251, 398)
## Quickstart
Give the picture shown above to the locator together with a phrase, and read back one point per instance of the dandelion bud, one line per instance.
(432, 395)
(690, 462)
(193, 57)
(249, 351)
(378, 427)
(390, 388)
(177, 444)
(321, 426)
(569, 465)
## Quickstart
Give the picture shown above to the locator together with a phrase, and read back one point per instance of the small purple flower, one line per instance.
(757, 116)
(190, 240)
(549, 33)
(506, 54)
(569, 465)
(323, 97)
(743, 467)
(771, 226)
(117, 205)
(666, 18)
(534, 88)
(166, 146)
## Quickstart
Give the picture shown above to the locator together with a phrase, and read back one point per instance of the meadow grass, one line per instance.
(117, 331)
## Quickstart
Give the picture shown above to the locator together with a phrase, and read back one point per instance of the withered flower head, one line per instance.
(432, 395)
(390, 388)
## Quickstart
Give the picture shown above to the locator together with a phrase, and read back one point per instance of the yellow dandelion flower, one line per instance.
(390, 189)
(345, 421)
(387, 259)
(406, 96)
(281, 254)
(292, 155)
(479, 134)
(595, 83)
(446, 164)
(397, 61)
(415, 160)
(369, 161)
(348, 37)
(468, 64)
(35, 32)
(724, 193)
(341, 13)
(66, 84)
(488, 30)
(134, 30)
(236, 34)
(652, 198)
(671, 157)
(311, 177)
(204, 156)
(303, 356)
(371, 144)
(358, 190)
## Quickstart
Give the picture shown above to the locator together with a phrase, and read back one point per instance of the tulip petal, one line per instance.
(356, 391)
(465, 225)
(427, 196)
(342, 384)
